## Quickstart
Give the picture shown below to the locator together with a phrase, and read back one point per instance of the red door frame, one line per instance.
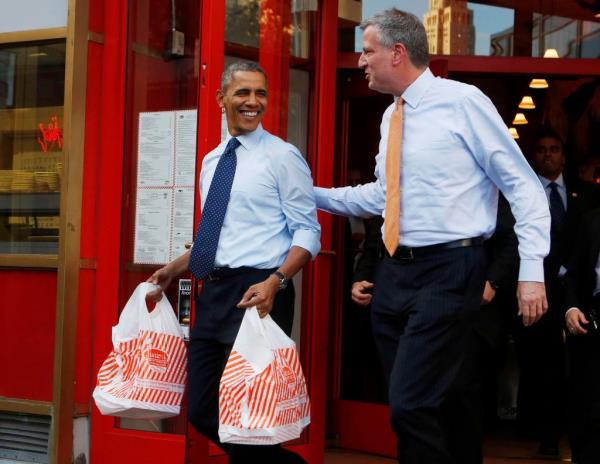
(373, 433)
(114, 445)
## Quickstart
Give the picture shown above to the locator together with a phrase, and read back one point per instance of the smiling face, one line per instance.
(244, 101)
(548, 160)
(377, 61)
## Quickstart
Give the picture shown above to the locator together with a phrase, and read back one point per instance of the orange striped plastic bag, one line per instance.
(262, 394)
(144, 375)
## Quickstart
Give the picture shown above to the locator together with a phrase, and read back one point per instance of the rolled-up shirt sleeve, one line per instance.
(488, 139)
(298, 202)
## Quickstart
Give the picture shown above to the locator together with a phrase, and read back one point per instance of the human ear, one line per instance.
(219, 98)
(399, 53)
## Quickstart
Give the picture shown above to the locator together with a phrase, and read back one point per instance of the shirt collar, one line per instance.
(248, 141)
(415, 91)
(559, 181)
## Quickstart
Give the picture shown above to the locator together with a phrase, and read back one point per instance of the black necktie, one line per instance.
(202, 258)
(557, 208)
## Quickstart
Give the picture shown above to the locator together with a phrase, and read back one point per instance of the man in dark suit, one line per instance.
(540, 348)
(465, 407)
(582, 296)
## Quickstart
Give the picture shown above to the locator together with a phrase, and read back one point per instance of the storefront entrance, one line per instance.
(162, 68)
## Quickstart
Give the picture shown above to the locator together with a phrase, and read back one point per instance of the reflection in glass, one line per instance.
(246, 20)
(450, 29)
(299, 89)
(304, 17)
(454, 27)
(571, 38)
(242, 22)
(32, 79)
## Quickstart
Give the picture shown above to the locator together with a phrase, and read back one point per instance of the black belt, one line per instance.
(404, 253)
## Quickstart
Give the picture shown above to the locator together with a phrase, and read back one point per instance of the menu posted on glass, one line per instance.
(164, 206)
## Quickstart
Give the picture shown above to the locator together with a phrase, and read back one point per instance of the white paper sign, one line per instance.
(156, 144)
(185, 147)
(151, 230)
(164, 216)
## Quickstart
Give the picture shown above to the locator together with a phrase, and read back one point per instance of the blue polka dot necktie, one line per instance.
(202, 258)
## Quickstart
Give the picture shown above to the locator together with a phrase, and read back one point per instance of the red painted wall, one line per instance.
(27, 322)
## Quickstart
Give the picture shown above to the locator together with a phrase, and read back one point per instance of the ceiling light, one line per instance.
(519, 119)
(551, 53)
(513, 132)
(527, 103)
(538, 84)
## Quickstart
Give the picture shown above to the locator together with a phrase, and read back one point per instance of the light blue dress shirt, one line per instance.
(456, 152)
(272, 204)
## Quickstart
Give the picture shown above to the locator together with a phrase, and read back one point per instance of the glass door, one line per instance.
(160, 48)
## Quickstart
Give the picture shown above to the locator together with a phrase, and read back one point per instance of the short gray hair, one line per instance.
(236, 66)
(396, 26)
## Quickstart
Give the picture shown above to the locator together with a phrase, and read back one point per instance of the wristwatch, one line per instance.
(283, 280)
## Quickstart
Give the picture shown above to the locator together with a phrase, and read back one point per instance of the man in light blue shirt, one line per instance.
(258, 229)
(456, 153)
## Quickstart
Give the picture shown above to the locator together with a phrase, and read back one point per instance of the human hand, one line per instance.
(162, 277)
(532, 301)
(261, 295)
(575, 321)
(360, 292)
(489, 293)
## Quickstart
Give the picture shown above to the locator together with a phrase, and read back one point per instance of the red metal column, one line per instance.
(274, 57)
(212, 54)
(109, 174)
(318, 275)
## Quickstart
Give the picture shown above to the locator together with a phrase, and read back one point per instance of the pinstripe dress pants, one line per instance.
(421, 315)
(215, 328)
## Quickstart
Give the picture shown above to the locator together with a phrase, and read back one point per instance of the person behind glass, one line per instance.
(455, 153)
(582, 302)
(540, 349)
(465, 406)
(258, 229)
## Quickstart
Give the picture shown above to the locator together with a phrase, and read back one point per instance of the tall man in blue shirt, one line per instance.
(258, 229)
(456, 153)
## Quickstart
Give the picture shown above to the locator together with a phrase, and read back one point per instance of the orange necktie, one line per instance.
(391, 225)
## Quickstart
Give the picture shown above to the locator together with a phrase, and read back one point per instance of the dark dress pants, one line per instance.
(542, 375)
(584, 397)
(471, 404)
(421, 313)
(217, 323)
(463, 410)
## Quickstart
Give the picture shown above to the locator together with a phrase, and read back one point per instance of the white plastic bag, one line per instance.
(262, 395)
(144, 375)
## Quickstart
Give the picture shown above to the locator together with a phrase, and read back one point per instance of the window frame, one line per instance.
(34, 260)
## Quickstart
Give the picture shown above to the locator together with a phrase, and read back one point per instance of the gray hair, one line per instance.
(396, 26)
(236, 66)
